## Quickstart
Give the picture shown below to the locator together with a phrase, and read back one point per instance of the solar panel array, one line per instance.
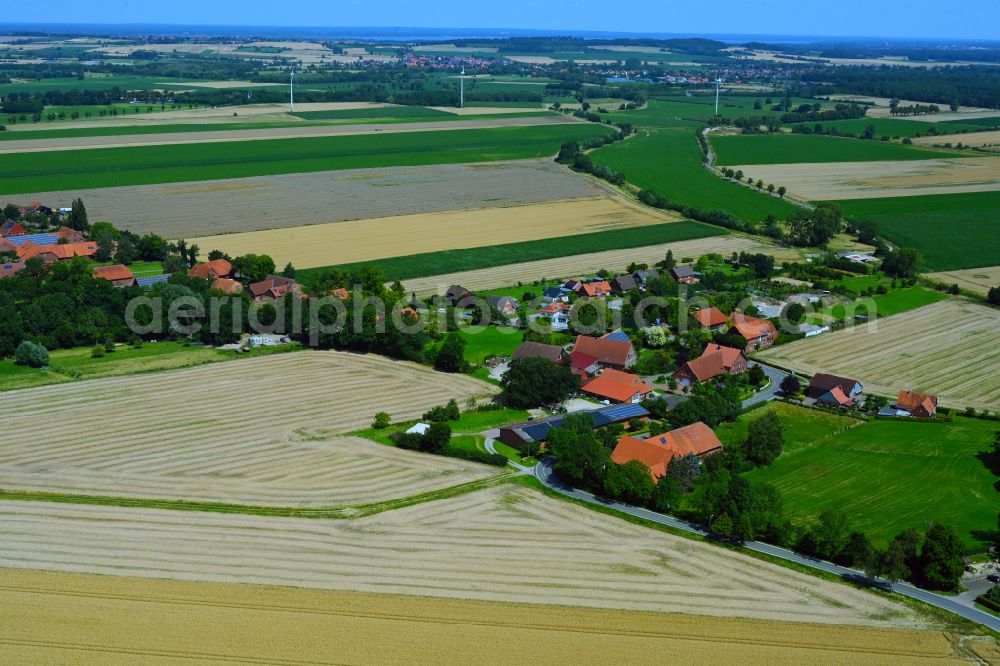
(151, 280)
(37, 239)
(539, 430)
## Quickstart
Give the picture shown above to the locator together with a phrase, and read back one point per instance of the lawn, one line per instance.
(952, 231)
(895, 302)
(449, 261)
(481, 342)
(801, 148)
(475, 422)
(802, 427)
(861, 283)
(125, 360)
(887, 476)
(668, 161)
(106, 167)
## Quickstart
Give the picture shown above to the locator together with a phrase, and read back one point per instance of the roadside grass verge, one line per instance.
(451, 261)
(145, 165)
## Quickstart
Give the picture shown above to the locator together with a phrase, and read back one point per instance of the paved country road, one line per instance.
(769, 392)
(543, 472)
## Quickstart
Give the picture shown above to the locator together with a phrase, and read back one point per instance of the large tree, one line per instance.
(765, 437)
(814, 228)
(534, 381)
(451, 357)
(942, 558)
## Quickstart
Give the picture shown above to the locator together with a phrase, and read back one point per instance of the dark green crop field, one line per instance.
(952, 231)
(144, 165)
(798, 148)
(669, 162)
(450, 261)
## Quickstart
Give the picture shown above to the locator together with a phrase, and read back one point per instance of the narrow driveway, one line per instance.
(543, 472)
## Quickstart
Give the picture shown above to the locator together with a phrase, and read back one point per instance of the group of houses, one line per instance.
(846, 393)
(60, 245)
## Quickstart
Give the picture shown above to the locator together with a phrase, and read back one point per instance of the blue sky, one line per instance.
(971, 19)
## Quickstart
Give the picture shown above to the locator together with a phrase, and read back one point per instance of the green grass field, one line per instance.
(669, 162)
(887, 476)
(895, 302)
(106, 167)
(893, 127)
(801, 148)
(377, 112)
(952, 231)
(802, 427)
(481, 342)
(450, 261)
(981, 123)
(125, 360)
(65, 130)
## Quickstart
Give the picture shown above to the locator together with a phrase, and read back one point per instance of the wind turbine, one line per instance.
(461, 89)
(291, 91)
(718, 82)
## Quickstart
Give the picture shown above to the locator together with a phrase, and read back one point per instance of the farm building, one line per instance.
(69, 235)
(210, 270)
(618, 386)
(59, 252)
(457, 295)
(920, 405)
(519, 434)
(554, 353)
(119, 274)
(274, 287)
(590, 290)
(759, 333)
(150, 280)
(12, 228)
(610, 353)
(714, 361)
(37, 239)
(623, 283)
(685, 274)
(227, 285)
(834, 390)
(712, 318)
(656, 452)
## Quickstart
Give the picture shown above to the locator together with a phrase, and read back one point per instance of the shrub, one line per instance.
(31, 354)
(381, 421)
(97, 351)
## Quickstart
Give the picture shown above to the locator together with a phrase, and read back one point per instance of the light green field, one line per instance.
(668, 161)
(895, 302)
(802, 427)
(144, 165)
(887, 476)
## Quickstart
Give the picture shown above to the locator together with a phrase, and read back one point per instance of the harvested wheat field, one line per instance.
(582, 264)
(950, 349)
(503, 543)
(979, 280)
(991, 138)
(294, 132)
(259, 431)
(78, 618)
(178, 210)
(868, 180)
(401, 235)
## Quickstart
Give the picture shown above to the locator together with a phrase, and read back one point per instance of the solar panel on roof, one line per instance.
(37, 239)
(619, 335)
(151, 280)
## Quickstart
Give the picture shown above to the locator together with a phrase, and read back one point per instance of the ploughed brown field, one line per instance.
(261, 431)
(401, 235)
(950, 349)
(84, 619)
(181, 210)
(502, 543)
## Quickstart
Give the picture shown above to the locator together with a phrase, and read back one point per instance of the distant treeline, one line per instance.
(968, 86)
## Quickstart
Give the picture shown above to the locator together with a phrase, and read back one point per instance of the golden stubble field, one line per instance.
(979, 280)
(364, 240)
(990, 138)
(502, 543)
(950, 349)
(84, 619)
(582, 264)
(260, 431)
(866, 180)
